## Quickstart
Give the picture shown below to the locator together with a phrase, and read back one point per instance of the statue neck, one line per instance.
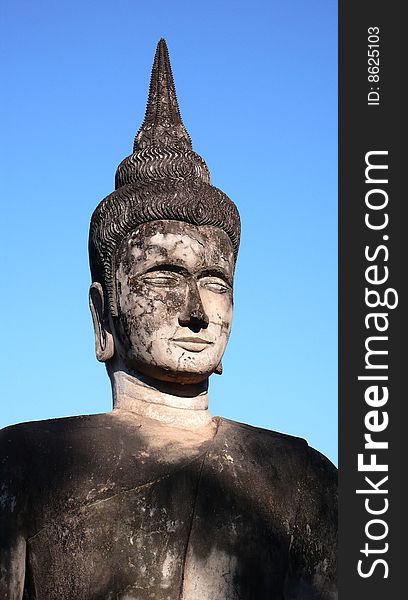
(184, 406)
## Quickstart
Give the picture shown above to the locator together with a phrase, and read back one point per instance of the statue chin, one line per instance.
(167, 366)
(168, 361)
(160, 375)
(165, 375)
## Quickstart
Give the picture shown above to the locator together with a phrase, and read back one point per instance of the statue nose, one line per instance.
(193, 314)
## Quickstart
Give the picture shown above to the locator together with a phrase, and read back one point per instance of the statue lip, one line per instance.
(192, 344)
(195, 340)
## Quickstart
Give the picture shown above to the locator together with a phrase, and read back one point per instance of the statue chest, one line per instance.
(129, 545)
(213, 528)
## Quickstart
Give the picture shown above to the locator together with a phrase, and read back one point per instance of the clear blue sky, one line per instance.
(257, 88)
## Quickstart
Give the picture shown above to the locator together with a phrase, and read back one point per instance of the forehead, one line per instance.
(175, 242)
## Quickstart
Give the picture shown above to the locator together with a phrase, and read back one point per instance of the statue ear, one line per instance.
(104, 345)
(218, 370)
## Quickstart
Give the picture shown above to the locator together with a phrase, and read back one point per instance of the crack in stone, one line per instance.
(193, 512)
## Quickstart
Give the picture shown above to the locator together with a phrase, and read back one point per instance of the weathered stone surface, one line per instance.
(157, 500)
(174, 290)
(112, 506)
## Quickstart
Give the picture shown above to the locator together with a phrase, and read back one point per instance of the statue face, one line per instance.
(174, 295)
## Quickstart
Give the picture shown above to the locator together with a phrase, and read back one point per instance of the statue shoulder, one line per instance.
(302, 484)
(275, 441)
(321, 467)
(21, 441)
(272, 437)
(57, 424)
(261, 432)
(284, 458)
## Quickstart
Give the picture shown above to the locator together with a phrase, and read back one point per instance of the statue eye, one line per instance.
(213, 284)
(161, 279)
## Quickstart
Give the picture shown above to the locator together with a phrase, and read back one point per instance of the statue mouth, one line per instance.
(192, 344)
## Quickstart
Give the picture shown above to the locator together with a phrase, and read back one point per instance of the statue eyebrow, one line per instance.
(207, 272)
(216, 272)
(166, 267)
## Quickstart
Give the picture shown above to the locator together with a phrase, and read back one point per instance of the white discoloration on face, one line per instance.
(174, 292)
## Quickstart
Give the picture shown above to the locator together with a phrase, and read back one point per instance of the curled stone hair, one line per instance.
(163, 179)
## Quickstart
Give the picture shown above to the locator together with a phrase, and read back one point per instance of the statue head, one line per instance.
(162, 251)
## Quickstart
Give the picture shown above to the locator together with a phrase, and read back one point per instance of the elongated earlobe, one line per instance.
(218, 370)
(104, 344)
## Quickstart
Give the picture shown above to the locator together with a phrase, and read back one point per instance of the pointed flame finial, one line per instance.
(162, 125)
(163, 179)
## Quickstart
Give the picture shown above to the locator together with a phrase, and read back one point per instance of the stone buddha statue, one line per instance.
(157, 500)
